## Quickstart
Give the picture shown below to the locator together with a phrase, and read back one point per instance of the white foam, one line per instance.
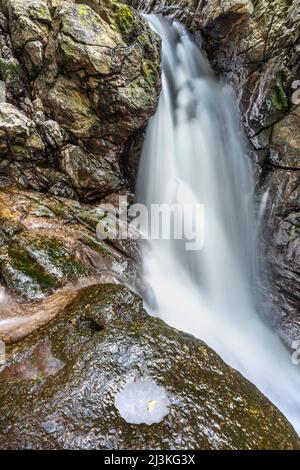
(194, 144)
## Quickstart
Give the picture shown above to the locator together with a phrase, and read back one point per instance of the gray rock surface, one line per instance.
(77, 74)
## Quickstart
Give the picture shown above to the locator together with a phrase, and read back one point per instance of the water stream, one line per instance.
(194, 154)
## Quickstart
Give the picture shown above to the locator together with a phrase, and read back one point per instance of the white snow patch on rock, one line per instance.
(143, 401)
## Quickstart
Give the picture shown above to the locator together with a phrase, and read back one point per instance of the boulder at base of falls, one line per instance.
(58, 387)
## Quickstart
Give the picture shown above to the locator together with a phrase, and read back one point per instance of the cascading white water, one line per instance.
(194, 153)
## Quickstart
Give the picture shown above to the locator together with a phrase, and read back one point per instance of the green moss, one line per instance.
(254, 411)
(10, 67)
(69, 49)
(83, 10)
(19, 152)
(43, 11)
(42, 211)
(151, 72)
(144, 40)
(122, 18)
(125, 17)
(90, 217)
(96, 245)
(40, 12)
(53, 257)
(279, 99)
(58, 209)
(86, 16)
(11, 73)
(35, 142)
(72, 213)
(22, 275)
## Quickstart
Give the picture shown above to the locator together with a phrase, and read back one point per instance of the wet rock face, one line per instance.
(280, 239)
(90, 177)
(80, 78)
(20, 139)
(46, 242)
(65, 397)
(218, 17)
(285, 141)
(254, 46)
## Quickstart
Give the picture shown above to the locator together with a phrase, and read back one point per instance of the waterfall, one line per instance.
(194, 153)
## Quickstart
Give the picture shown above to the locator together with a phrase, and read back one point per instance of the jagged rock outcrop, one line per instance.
(255, 46)
(79, 79)
(64, 380)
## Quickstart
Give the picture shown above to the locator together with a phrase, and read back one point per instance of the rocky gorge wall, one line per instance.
(78, 80)
(255, 47)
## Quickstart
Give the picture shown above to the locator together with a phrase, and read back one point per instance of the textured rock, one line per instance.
(285, 141)
(64, 380)
(20, 139)
(280, 239)
(90, 177)
(46, 242)
(86, 74)
(251, 44)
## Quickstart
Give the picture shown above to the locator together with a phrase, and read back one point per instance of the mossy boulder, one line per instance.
(22, 275)
(58, 387)
(29, 23)
(101, 83)
(47, 242)
(35, 265)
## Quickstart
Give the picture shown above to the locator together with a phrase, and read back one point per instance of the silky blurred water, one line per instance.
(193, 153)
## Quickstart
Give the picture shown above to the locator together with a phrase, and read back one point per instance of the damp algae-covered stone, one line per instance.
(99, 352)
(47, 242)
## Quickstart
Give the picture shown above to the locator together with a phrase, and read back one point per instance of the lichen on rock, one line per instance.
(46, 242)
(209, 403)
(80, 65)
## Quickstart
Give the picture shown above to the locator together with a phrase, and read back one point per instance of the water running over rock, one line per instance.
(194, 154)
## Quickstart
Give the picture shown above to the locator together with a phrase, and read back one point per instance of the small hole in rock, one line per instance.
(89, 324)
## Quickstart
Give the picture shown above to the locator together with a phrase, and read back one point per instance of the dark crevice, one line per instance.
(89, 324)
